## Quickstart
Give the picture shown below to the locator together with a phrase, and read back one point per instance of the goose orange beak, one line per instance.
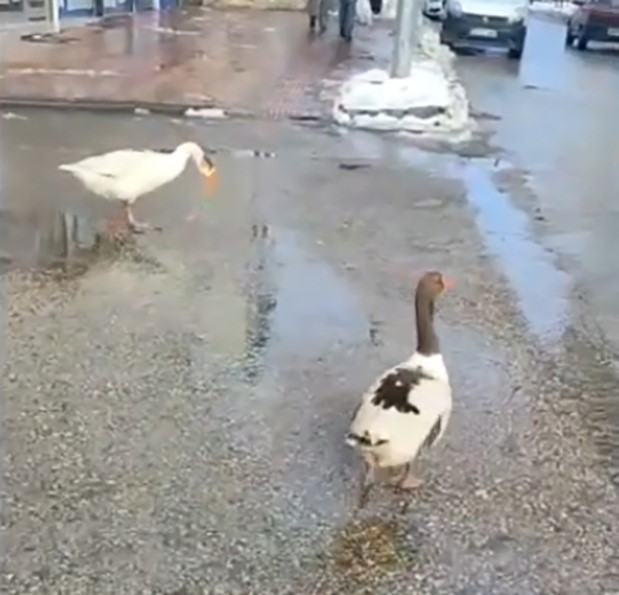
(209, 171)
(447, 284)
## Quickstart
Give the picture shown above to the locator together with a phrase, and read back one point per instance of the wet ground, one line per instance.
(256, 62)
(555, 129)
(175, 407)
(555, 125)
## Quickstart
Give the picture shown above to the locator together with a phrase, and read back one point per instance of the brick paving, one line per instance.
(261, 62)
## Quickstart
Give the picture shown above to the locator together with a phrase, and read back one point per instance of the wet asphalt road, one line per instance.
(174, 408)
(555, 126)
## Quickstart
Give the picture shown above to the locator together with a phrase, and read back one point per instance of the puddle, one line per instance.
(297, 303)
(541, 288)
(317, 309)
(46, 237)
(261, 299)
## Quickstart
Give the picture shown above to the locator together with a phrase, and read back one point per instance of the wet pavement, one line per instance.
(554, 127)
(258, 62)
(175, 406)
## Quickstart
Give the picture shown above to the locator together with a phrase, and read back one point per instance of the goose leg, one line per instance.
(409, 480)
(408, 483)
(138, 226)
(366, 483)
(117, 227)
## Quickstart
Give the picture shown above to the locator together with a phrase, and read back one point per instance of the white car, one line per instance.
(486, 23)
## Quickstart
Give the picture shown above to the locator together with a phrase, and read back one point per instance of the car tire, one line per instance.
(582, 41)
(515, 53)
(569, 36)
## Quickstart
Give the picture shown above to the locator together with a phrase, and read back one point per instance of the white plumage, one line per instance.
(127, 174)
(395, 437)
(408, 406)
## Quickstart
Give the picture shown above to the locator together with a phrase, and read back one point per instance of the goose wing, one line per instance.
(118, 164)
(125, 174)
(405, 408)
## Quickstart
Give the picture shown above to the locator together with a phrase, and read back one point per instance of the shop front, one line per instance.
(44, 15)
(28, 16)
(100, 8)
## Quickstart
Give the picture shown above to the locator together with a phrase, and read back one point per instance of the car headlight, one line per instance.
(519, 14)
(454, 7)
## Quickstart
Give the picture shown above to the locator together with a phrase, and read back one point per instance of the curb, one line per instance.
(182, 110)
(94, 105)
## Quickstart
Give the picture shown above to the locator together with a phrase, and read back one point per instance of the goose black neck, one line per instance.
(427, 339)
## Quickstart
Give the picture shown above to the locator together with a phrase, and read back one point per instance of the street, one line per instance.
(175, 407)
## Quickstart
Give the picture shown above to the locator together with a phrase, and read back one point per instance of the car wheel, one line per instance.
(569, 36)
(582, 40)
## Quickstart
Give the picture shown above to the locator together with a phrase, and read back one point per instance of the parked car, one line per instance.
(486, 23)
(593, 20)
(434, 9)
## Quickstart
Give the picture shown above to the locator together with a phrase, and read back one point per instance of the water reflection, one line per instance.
(541, 288)
(297, 303)
(47, 237)
(262, 300)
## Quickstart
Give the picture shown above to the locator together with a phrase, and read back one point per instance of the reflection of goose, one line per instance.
(127, 174)
(261, 298)
(61, 237)
(408, 407)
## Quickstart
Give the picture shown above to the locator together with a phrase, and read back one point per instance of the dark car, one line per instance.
(593, 20)
(486, 23)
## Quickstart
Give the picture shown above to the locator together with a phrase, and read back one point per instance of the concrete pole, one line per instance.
(417, 26)
(408, 31)
(402, 50)
(55, 14)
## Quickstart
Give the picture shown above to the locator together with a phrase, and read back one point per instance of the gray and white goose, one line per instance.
(408, 407)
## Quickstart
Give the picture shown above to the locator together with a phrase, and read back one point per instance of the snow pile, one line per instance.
(430, 100)
(565, 9)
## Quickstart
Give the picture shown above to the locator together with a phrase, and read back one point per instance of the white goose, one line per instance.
(409, 405)
(127, 174)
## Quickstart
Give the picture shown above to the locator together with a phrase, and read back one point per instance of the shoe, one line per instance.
(312, 23)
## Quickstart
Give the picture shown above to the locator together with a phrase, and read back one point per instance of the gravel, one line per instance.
(174, 409)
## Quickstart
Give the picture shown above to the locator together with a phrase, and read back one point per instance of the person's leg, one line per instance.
(342, 16)
(323, 17)
(349, 21)
(312, 11)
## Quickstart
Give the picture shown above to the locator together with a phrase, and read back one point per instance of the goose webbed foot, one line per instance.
(407, 484)
(410, 482)
(139, 226)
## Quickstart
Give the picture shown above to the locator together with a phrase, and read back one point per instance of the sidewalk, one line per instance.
(243, 61)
